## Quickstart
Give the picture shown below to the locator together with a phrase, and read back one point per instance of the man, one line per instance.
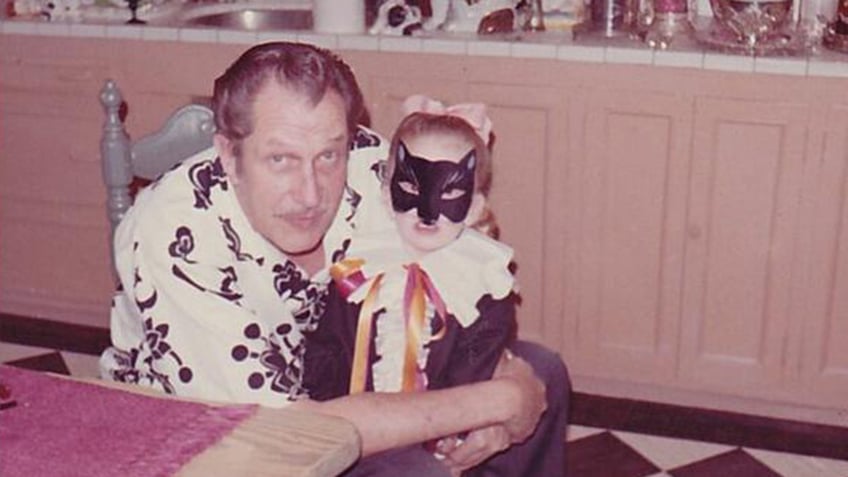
(219, 261)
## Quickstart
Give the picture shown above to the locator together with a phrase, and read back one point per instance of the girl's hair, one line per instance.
(419, 124)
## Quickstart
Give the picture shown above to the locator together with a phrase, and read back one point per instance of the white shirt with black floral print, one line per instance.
(206, 307)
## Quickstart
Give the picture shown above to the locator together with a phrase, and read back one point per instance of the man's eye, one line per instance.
(278, 158)
(408, 187)
(451, 194)
(329, 156)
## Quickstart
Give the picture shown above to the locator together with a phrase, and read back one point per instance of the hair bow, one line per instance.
(472, 113)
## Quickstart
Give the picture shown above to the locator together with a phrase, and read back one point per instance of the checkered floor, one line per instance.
(593, 450)
(597, 452)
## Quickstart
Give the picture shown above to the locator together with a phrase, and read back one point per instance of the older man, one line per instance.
(217, 258)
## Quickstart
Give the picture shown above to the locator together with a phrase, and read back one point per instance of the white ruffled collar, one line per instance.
(472, 266)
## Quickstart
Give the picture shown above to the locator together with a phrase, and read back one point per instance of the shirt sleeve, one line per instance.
(181, 324)
(478, 348)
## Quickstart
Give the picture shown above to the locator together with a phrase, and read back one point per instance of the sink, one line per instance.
(254, 19)
(249, 14)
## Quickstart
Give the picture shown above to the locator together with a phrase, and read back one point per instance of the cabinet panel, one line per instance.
(745, 188)
(386, 94)
(530, 134)
(627, 237)
(824, 369)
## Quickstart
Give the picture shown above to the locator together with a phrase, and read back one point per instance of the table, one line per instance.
(268, 442)
(280, 442)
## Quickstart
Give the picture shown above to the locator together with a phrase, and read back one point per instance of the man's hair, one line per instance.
(306, 69)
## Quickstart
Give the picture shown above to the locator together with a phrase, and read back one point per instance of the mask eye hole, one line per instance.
(408, 187)
(453, 193)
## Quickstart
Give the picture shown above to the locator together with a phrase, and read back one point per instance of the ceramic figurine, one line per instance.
(476, 16)
(396, 17)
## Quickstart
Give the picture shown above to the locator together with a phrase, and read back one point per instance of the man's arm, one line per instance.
(515, 398)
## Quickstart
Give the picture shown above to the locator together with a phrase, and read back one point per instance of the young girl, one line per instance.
(428, 302)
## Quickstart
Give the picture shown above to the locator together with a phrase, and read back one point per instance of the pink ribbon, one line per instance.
(472, 113)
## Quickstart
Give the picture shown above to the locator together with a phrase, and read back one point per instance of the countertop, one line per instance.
(554, 45)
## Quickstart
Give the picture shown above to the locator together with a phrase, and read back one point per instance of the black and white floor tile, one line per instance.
(607, 437)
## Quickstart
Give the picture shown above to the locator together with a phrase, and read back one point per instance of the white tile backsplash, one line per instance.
(489, 48)
(717, 61)
(129, 32)
(591, 54)
(198, 35)
(555, 45)
(444, 47)
(683, 59)
(160, 34)
(784, 66)
(237, 37)
(89, 31)
(359, 42)
(640, 56)
(400, 43)
(534, 50)
(323, 40)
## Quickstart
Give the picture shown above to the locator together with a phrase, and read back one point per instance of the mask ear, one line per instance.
(400, 156)
(475, 212)
(469, 161)
(224, 147)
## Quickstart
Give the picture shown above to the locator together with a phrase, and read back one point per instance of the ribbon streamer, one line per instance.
(348, 277)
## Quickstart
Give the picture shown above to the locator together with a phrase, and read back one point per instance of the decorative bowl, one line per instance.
(753, 21)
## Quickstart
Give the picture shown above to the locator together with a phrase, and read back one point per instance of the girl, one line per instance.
(427, 303)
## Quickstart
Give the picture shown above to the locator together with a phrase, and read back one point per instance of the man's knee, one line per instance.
(548, 365)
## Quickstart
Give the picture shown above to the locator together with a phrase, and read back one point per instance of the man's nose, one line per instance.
(309, 189)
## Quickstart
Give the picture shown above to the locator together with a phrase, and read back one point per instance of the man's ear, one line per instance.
(475, 212)
(224, 148)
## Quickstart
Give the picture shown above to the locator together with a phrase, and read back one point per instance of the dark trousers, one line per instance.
(542, 455)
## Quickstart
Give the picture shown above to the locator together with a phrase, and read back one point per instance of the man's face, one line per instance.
(291, 174)
(432, 191)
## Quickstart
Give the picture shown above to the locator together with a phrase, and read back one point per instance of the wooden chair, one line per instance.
(187, 131)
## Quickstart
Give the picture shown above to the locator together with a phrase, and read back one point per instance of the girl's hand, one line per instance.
(531, 400)
(478, 445)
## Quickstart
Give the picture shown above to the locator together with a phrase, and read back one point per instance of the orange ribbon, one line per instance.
(418, 289)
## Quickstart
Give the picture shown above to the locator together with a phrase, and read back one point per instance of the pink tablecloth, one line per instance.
(61, 427)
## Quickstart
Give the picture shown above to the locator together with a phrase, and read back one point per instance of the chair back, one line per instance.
(187, 131)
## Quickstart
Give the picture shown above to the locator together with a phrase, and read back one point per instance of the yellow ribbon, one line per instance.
(359, 371)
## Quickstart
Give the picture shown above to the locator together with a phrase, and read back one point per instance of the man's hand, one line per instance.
(477, 446)
(530, 393)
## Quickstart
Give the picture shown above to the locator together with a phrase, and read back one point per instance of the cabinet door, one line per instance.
(53, 243)
(530, 147)
(824, 360)
(747, 172)
(386, 94)
(624, 233)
